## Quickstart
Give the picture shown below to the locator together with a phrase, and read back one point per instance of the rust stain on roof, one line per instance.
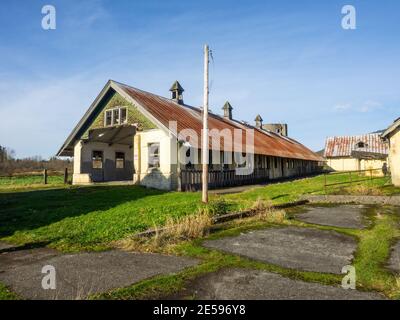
(187, 117)
(345, 145)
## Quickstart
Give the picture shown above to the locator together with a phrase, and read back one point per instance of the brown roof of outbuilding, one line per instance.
(164, 110)
(345, 145)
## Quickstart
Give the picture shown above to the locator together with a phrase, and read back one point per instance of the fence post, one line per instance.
(66, 176)
(45, 176)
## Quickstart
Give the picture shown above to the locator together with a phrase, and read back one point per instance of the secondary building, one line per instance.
(392, 136)
(351, 153)
(133, 135)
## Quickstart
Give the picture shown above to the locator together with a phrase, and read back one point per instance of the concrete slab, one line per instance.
(347, 216)
(291, 247)
(244, 284)
(79, 275)
(394, 261)
(5, 246)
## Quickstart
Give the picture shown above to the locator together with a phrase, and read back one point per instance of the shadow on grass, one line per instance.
(23, 211)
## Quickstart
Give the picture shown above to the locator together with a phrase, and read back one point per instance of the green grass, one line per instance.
(6, 294)
(89, 218)
(31, 182)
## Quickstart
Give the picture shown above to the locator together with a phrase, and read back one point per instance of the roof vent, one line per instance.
(227, 110)
(177, 92)
(258, 121)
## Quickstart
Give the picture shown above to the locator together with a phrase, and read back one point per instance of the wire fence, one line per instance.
(350, 178)
(37, 177)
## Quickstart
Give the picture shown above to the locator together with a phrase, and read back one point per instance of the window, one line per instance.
(119, 160)
(268, 163)
(276, 163)
(154, 155)
(123, 115)
(115, 116)
(108, 120)
(97, 159)
(116, 119)
(361, 144)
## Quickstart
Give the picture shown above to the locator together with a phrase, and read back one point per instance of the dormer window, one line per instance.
(114, 117)
(361, 145)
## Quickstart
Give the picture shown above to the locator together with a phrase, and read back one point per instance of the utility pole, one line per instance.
(205, 128)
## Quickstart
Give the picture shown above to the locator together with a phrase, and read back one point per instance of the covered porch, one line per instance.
(105, 155)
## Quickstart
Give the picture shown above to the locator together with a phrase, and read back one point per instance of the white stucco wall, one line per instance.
(83, 172)
(344, 164)
(352, 164)
(394, 157)
(163, 177)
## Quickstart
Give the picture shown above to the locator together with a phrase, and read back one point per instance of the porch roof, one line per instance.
(113, 135)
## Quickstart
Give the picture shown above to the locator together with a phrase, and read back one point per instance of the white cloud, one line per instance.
(342, 107)
(369, 106)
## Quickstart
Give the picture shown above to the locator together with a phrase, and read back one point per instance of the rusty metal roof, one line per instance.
(188, 117)
(345, 145)
(164, 110)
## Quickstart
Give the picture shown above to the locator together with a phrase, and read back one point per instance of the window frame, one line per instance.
(94, 159)
(151, 165)
(119, 158)
(113, 121)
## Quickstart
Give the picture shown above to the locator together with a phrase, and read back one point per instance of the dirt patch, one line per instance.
(348, 216)
(244, 284)
(291, 247)
(79, 275)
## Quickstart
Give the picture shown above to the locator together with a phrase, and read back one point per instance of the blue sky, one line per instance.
(288, 60)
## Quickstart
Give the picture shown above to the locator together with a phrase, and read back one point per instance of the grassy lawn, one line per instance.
(89, 218)
(73, 219)
(32, 182)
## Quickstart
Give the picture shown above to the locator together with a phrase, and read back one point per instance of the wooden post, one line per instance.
(45, 176)
(205, 128)
(66, 176)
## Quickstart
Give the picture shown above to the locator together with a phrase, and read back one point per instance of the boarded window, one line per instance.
(97, 159)
(119, 160)
(154, 155)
